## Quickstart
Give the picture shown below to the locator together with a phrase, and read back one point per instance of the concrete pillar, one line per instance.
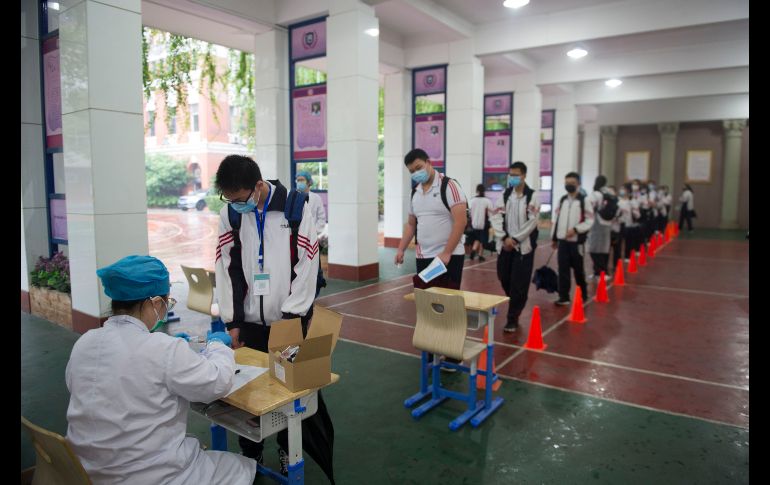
(527, 114)
(668, 133)
(353, 85)
(398, 141)
(591, 155)
(101, 80)
(34, 215)
(465, 114)
(609, 135)
(565, 145)
(732, 173)
(271, 95)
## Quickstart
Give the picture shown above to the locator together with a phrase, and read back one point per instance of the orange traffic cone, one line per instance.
(659, 242)
(535, 338)
(481, 381)
(632, 263)
(619, 281)
(667, 237)
(577, 315)
(601, 291)
(653, 247)
(643, 255)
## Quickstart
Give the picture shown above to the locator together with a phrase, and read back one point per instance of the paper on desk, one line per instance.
(247, 374)
(434, 269)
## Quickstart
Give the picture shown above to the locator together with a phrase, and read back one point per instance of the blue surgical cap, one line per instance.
(135, 278)
(306, 174)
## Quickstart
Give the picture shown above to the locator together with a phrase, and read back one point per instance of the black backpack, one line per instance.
(444, 183)
(609, 208)
(295, 202)
(581, 236)
(528, 194)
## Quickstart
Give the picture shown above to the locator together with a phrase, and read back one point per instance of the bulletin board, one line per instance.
(637, 165)
(698, 167)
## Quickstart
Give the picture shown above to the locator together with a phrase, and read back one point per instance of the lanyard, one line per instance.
(261, 228)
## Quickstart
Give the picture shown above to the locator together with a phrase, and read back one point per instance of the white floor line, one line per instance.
(480, 269)
(377, 320)
(710, 260)
(617, 401)
(369, 296)
(685, 290)
(379, 348)
(362, 287)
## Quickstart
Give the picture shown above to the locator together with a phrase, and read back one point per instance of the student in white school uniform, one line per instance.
(599, 237)
(304, 181)
(616, 239)
(480, 209)
(574, 217)
(629, 220)
(687, 211)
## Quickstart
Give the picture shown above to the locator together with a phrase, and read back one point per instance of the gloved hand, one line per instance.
(182, 335)
(220, 336)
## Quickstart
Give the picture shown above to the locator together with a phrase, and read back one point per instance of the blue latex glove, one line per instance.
(220, 336)
(182, 335)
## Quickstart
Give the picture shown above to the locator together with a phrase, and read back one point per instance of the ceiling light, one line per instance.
(374, 32)
(577, 53)
(54, 5)
(613, 83)
(515, 3)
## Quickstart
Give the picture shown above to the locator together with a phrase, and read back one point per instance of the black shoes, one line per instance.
(511, 326)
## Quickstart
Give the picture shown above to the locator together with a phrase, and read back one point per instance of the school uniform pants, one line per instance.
(601, 263)
(571, 258)
(616, 244)
(684, 214)
(632, 238)
(515, 273)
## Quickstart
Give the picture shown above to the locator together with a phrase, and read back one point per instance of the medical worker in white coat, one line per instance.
(130, 389)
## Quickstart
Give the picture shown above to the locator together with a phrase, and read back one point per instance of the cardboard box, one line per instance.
(312, 365)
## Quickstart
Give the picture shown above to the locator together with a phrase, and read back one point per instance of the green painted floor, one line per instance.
(540, 435)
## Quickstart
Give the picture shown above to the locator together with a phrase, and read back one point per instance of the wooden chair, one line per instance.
(201, 294)
(441, 329)
(56, 462)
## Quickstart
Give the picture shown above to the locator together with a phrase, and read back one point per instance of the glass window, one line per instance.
(194, 116)
(309, 72)
(151, 122)
(498, 122)
(432, 103)
(319, 171)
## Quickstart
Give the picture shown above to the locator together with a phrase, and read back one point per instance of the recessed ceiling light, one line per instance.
(54, 5)
(515, 3)
(374, 32)
(613, 83)
(577, 53)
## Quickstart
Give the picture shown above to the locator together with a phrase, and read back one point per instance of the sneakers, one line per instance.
(283, 457)
(561, 302)
(591, 277)
(473, 255)
(511, 326)
(608, 278)
(482, 258)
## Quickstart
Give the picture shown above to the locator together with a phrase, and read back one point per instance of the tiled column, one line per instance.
(565, 146)
(34, 226)
(353, 85)
(668, 133)
(271, 95)
(398, 141)
(465, 114)
(527, 108)
(591, 155)
(101, 74)
(609, 153)
(732, 175)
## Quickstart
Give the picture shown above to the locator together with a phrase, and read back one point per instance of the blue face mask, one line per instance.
(248, 206)
(301, 186)
(514, 180)
(420, 176)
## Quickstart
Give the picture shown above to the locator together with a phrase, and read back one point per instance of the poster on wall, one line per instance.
(430, 81)
(637, 165)
(309, 114)
(52, 89)
(698, 166)
(546, 152)
(497, 151)
(547, 118)
(429, 135)
(497, 105)
(59, 219)
(308, 41)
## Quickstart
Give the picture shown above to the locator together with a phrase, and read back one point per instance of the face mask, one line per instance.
(160, 321)
(570, 188)
(514, 180)
(301, 186)
(248, 206)
(420, 176)
(622, 193)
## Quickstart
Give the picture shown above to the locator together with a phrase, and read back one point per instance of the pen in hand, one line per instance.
(237, 371)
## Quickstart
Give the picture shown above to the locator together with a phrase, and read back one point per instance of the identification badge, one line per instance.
(261, 284)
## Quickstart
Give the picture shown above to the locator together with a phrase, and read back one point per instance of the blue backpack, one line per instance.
(292, 211)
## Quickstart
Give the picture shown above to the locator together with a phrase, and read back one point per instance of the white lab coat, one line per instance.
(130, 391)
(317, 210)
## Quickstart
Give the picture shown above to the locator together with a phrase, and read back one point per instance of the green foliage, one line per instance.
(53, 272)
(424, 105)
(166, 178)
(240, 76)
(214, 203)
(305, 76)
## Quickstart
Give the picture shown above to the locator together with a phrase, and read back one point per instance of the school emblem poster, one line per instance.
(429, 135)
(309, 107)
(497, 105)
(52, 88)
(430, 81)
(497, 151)
(308, 41)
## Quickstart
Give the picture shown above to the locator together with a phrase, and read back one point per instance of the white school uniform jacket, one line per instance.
(629, 212)
(567, 216)
(237, 266)
(688, 198)
(479, 206)
(520, 219)
(317, 210)
(130, 391)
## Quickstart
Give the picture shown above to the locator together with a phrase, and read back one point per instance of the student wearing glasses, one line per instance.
(131, 387)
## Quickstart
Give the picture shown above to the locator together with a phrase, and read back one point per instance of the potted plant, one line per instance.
(50, 290)
(323, 244)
